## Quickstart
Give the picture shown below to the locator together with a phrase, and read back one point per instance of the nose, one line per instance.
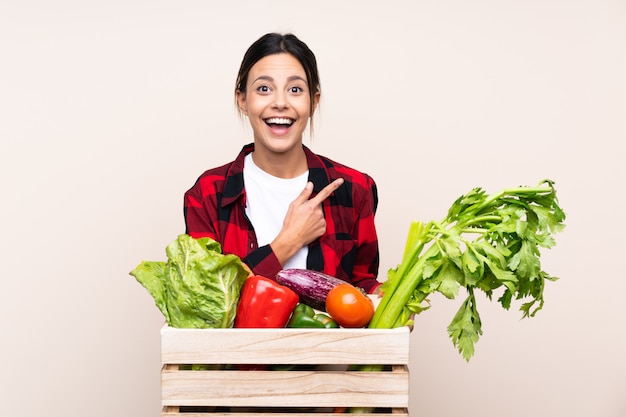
(280, 100)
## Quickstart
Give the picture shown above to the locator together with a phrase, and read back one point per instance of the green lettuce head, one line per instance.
(198, 286)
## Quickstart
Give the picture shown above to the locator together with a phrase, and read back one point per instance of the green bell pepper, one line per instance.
(328, 321)
(304, 316)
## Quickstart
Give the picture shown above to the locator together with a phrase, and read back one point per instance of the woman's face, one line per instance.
(277, 102)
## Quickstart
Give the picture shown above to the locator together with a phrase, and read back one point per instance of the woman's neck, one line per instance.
(282, 165)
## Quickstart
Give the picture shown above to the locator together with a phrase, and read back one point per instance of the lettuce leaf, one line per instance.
(198, 286)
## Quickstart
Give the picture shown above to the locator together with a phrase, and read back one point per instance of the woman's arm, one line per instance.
(304, 221)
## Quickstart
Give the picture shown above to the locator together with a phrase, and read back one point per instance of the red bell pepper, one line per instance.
(264, 303)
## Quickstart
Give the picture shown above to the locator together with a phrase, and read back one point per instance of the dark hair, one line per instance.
(276, 43)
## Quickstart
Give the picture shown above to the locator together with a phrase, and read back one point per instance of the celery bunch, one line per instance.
(486, 242)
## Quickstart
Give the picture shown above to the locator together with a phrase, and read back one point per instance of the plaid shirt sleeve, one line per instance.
(200, 207)
(349, 248)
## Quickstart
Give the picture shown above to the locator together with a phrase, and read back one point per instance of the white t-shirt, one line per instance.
(267, 201)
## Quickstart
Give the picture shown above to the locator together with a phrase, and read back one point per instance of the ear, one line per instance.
(241, 102)
(316, 101)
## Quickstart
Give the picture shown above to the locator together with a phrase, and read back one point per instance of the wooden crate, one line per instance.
(318, 383)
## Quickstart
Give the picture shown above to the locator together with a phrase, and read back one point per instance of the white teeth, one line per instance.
(279, 121)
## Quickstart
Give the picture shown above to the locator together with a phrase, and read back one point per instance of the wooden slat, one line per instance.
(285, 346)
(285, 389)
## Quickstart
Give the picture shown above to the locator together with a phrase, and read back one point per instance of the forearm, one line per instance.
(284, 246)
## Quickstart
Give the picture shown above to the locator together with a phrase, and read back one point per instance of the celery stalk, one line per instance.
(485, 242)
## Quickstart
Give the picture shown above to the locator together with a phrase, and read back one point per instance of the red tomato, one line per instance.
(349, 306)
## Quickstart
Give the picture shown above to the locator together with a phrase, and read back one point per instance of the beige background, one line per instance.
(110, 110)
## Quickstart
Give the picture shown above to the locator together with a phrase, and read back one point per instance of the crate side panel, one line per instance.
(285, 346)
(285, 389)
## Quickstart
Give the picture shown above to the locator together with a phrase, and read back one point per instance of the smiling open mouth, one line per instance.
(279, 121)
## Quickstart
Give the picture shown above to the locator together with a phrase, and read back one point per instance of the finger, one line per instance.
(327, 191)
(305, 194)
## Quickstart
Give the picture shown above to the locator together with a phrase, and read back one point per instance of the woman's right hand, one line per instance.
(304, 221)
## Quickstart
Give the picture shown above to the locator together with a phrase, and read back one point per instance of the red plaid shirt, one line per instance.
(215, 207)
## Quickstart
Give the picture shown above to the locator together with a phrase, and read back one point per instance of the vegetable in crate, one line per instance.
(485, 243)
(312, 286)
(349, 306)
(304, 316)
(326, 320)
(264, 303)
(198, 286)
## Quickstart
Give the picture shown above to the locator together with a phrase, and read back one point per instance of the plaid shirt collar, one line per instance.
(234, 187)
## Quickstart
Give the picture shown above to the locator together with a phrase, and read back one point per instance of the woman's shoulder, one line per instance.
(219, 171)
(212, 181)
(350, 173)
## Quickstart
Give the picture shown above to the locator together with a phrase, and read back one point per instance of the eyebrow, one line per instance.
(290, 78)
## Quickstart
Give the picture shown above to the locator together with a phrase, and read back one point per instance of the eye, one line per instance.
(296, 90)
(263, 89)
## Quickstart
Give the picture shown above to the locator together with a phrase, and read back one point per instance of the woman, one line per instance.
(278, 205)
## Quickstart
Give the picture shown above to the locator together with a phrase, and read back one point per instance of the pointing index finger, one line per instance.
(327, 191)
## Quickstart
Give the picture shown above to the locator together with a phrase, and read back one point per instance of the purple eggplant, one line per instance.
(312, 286)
